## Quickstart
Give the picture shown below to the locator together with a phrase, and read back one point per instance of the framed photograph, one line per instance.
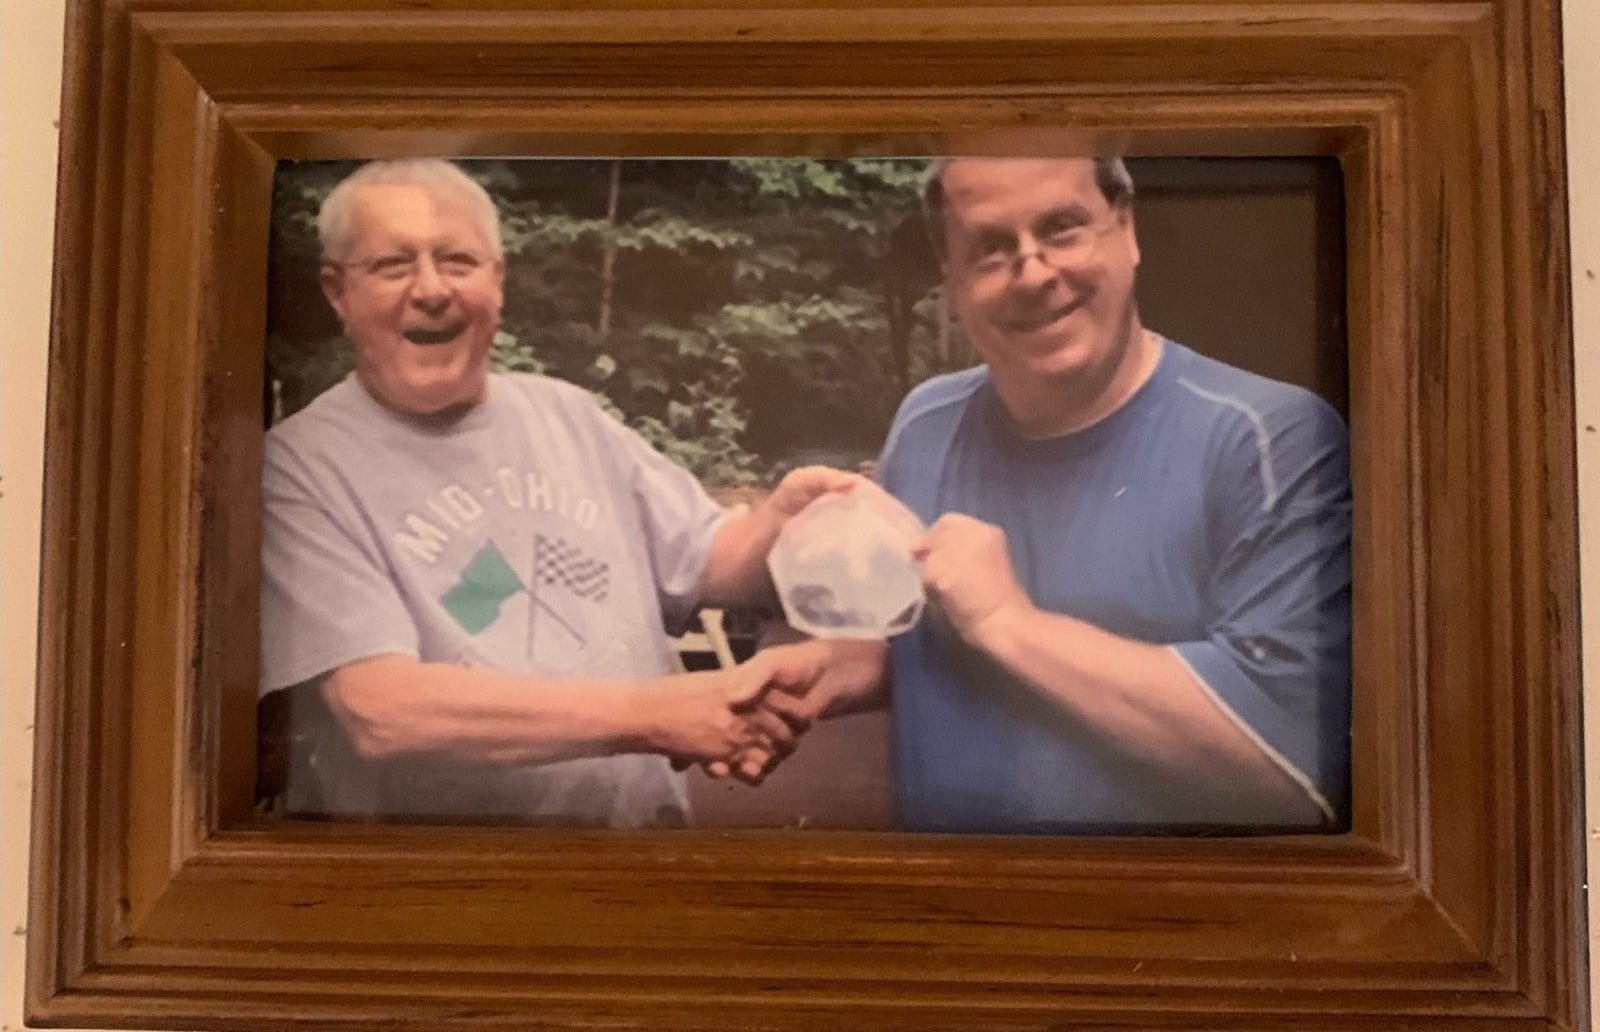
(744, 319)
(738, 241)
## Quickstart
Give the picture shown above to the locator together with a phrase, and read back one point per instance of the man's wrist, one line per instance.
(998, 631)
(860, 673)
(640, 727)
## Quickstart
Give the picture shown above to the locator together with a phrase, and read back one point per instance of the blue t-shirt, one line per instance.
(1211, 513)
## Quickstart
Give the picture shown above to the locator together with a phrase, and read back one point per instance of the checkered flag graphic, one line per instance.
(556, 562)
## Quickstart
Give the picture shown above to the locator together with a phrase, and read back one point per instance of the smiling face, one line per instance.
(419, 289)
(1040, 269)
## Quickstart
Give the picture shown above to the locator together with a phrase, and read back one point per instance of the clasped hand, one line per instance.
(756, 712)
(967, 574)
(722, 720)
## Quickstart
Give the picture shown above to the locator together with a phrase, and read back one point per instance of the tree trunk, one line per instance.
(944, 330)
(898, 310)
(608, 257)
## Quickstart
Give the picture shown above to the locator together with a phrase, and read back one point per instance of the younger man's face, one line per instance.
(1040, 267)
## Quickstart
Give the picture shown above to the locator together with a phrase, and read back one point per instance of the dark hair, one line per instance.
(1110, 175)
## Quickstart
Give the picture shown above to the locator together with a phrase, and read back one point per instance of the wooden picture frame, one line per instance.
(1453, 902)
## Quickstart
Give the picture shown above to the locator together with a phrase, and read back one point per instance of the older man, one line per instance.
(1139, 556)
(475, 571)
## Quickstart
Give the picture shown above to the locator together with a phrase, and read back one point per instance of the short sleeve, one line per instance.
(325, 599)
(1277, 649)
(678, 519)
(920, 437)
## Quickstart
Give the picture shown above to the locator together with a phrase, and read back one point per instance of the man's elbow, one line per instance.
(1293, 801)
(726, 585)
(360, 698)
(735, 572)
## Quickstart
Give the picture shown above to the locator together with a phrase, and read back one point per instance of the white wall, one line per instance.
(30, 88)
(1582, 33)
(30, 75)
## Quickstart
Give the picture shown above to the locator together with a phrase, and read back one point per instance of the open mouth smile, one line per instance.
(434, 335)
(1043, 320)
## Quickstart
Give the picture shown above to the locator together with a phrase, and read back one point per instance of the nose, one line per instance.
(1033, 266)
(429, 290)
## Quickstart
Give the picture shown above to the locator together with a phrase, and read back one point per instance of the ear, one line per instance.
(955, 299)
(499, 273)
(333, 288)
(1124, 217)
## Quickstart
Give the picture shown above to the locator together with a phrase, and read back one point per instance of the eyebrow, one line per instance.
(384, 258)
(979, 237)
(408, 253)
(1069, 212)
(391, 250)
(981, 234)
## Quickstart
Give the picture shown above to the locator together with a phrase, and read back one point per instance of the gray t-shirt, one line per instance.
(536, 535)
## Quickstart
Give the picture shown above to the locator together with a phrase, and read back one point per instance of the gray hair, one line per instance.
(432, 174)
(1110, 175)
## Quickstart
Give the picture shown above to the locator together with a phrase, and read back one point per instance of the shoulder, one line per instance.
(537, 385)
(939, 399)
(1248, 403)
(587, 428)
(1284, 437)
(941, 392)
(548, 395)
(334, 415)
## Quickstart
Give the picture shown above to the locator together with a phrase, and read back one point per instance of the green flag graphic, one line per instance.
(486, 582)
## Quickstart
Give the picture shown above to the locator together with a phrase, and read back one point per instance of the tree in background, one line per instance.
(743, 315)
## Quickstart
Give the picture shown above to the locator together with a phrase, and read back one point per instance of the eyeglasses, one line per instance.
(397, 271)
(1058, 247)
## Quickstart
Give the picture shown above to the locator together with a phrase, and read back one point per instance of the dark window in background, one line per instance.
(1243, 259)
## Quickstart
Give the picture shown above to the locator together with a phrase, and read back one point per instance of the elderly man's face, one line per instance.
(1040, 268)
(419, 292)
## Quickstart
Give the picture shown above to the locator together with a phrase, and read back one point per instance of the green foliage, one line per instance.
(737, 314)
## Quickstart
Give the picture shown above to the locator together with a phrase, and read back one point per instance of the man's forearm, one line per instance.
(854, 676)
(736, 567)
(396, 705)
(1142, 699)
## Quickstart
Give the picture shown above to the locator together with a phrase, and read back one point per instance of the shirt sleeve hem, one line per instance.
(678, 613)
(303, 671)
(1298, 776)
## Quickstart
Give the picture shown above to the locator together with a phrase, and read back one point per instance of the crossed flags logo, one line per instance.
(556, 562)
(488, 581)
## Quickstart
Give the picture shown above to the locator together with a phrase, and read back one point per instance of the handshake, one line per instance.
(745, 720)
